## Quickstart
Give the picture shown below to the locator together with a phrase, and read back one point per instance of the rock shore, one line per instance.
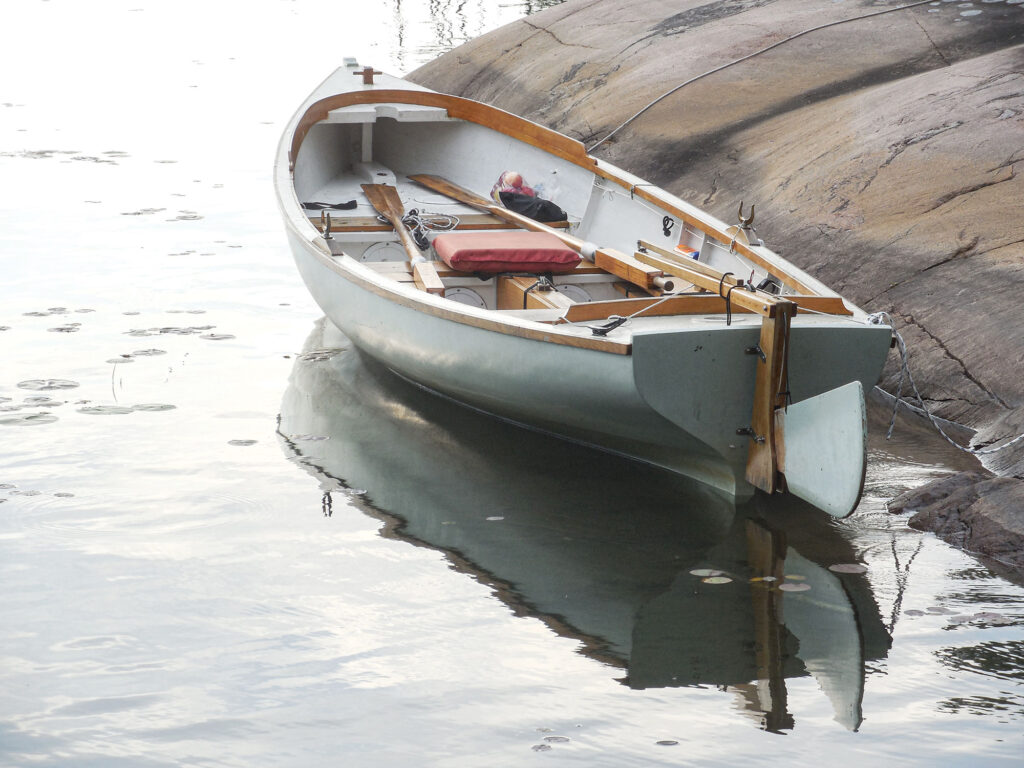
(975, 511)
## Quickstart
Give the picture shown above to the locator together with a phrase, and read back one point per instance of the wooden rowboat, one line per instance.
(639, 324)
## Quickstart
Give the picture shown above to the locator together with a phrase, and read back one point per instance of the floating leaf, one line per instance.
(154, 407)
(241, 442)
(703, 572)
(557, 739)
(794, 587)
(764, 578)
(716, 580)
(45, 384)
(105, 410)
(28, 419)
(795, 577)
(848, 568)
(667, 743)
(38, 401)
(495, 518)
(540, 747)
(217, 336)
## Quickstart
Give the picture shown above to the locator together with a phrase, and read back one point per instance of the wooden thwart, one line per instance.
(522, 293)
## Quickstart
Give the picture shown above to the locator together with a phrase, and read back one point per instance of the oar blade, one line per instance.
(824, 448)
(385, 200)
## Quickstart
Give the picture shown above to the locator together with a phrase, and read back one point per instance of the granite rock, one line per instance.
(978, 513)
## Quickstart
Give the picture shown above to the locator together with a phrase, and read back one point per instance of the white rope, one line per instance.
(884, 317)
(750, 56)
(420, 223)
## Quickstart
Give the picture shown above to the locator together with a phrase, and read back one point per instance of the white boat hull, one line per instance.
(675, 402)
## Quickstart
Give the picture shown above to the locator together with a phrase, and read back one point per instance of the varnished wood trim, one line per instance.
(701, 304)
(512, 294)
(769, 394)
(644, 192)
(470, 221)
(463, 109)
(708, 304)
(426, 278)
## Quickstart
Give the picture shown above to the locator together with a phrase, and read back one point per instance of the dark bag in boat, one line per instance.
(536, 208)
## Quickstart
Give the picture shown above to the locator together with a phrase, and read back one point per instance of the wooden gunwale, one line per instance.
(470, 221)
(517, 127)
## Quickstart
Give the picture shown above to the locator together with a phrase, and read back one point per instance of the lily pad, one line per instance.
(705, 572)
(794, 587)
(47, 384)
(848, 568)
(716, 580)
(105, 410)
(27, 419)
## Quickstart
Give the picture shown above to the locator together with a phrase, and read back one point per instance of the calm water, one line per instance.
(229, 541)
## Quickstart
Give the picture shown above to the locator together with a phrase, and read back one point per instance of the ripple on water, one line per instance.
(27, 419)
(319, 355)
(105, 410)
(172, 330)
(47, 384)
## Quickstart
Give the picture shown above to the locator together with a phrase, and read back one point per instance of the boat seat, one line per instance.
(494, 253)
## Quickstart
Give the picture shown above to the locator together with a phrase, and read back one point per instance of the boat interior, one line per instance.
(636, 251)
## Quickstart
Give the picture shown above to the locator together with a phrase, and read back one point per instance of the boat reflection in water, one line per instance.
(599, 548)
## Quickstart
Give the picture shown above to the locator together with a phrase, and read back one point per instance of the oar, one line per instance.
(618, 264)
(385, 200)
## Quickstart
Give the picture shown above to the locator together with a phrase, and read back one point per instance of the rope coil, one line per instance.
(885, 318)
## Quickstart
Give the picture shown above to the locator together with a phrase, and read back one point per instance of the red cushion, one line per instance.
(495, 252)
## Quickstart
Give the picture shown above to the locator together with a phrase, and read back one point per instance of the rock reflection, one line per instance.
(600, 549)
